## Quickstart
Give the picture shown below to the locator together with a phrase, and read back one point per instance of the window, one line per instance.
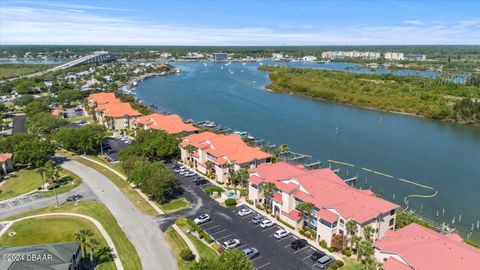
(340, 231)
(392, 221)
(342, 222)
(392, 212)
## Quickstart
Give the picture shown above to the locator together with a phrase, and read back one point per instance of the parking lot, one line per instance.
(20, 200)
(112, 146)
(226, 224)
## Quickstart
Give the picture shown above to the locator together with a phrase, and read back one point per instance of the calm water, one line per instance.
(441, 155)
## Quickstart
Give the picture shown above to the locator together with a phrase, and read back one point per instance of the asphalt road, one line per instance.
(141, 230)
(19, 123)
(226, 224)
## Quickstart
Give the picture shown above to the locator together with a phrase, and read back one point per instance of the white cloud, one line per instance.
(414, 22)
(80, 25)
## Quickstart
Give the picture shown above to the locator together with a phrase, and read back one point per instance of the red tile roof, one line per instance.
(277, 197)
(325, 189)
(394, 264)
(171, 124)
(118, 110)
(230, 148)
(102, 98)
(5, 156)
(327, 215)
(295, 215)
(426, 249)
(58, 111)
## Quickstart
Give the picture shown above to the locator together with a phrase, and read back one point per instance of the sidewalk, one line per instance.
(187, 240)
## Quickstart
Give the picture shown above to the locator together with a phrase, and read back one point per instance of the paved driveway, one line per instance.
(141, 230)
(227, 224)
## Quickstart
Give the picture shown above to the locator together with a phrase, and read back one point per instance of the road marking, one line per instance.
(218, 232)
(286, 237)
(286, 246)
(224, 237)
(259, 257)
(306, 257)
(263, 265)
(205, 229)
(268, 229)
(271, 235)
(241, 245)
(295, 252)
(312, 248)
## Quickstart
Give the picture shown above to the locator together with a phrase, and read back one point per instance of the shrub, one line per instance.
(209, 190)
(323, 243)
(187, 255)
(286, 224)
(244, 192)
(218, 248)
(230, 202)
(332, 267)
(249, 201)
(339, 263)
(347, 252)
(205, 236)
(331, 249)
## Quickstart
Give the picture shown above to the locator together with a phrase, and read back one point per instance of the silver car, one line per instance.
(251, 252)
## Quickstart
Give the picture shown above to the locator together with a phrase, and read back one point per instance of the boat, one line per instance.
(211, 125)
(241, 133)
(250, 137)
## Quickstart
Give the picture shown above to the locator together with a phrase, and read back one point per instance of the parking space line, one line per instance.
(286, 237)
(205, 229)
(306, 258)
(259, 257)
(218, 232)
(286, 246)
(224, 237)
(295, 252)
(263, 265)
(268, 229)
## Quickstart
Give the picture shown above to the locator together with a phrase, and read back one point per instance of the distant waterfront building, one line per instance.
(416, 57)
(63, 256)
(165, 55)
(327, 55)
(394, 56)
(309, 58)
(277, 56)
(219, 56)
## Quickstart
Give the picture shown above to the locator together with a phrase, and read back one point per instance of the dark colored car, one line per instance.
(200, 182)
(317, 255)
(299, 243)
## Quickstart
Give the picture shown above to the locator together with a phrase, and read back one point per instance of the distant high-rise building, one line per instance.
(394, 56)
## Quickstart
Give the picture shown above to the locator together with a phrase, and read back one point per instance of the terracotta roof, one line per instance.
(295, 215)
(5, 156)
(171, 124)
(277, 197)
(102, 98)
(230, 147)
(421, 248)
(327, 215)
(394, 264)
(118, 110)
(325, 189)
(58, 111)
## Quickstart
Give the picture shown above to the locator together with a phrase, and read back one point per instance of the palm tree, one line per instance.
(365, 249)
(352, 228)
(82, 236)
(267, 189)
(306, 208)
(230, 167)
(52, 173)
(368, 233)
(93, 245)
(41, 171)
(354, 243)
(190, 150)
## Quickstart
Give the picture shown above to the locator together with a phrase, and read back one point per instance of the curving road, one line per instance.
(141, 230)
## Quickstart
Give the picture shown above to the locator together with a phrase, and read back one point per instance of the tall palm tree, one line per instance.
(93, 245)
(306, 208)
(354, 243)
(352, 229)
(368, 233)
(82, 236)
(267, 189)
(41, 171)
(52, 173)
(230, 168)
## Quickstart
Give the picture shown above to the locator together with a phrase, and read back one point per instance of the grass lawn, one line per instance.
(126, 252)
(27, 180)
(204, 250)
(15, 70)
(177, 244)
(127, 190)
(351, 264)
(48, 230)
(174, 205)
(116, 165)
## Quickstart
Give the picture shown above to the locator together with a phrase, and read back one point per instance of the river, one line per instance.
(440, 155)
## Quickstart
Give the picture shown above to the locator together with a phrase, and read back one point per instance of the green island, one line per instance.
(432, 98)
(126, 252)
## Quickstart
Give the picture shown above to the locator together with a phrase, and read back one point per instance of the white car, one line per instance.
(181, 169)
(267, 223)
(185, 172)
(202, 219)
(244, 212)
(189, 174)
(281, 234)
(232, 243)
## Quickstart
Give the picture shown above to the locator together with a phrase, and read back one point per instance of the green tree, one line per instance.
(240, 177)
(41, 171)
(152, 144)
(43, 124)
(39, 105)
(68, 96)
(52, 173)
(82, 236)
(33, 152)
(23, 100)
(231, 259)
(93, 245)
(267, 188)
(86, 139)
(351, 228)
(368, 233)
(306, 208)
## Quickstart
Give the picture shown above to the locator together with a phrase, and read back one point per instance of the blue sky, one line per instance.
(250, 22)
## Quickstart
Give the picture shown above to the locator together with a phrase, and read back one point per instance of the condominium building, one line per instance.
(219, 155)
(335, 202)
(116, 116)
(219, 56)
(394, 56)
(416, 247)
(171, 124)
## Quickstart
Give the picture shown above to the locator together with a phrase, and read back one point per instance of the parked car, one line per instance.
(267, 223)
(185, 172)
(298, 244)
(256, 219)
(201, 219)
(181, 169)
(251, 252)
(200, 182)
(244, 212)
(74, 198)
(317, 255)
(324, 262)
(232, 243)
(281, 234)
(189, 174)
